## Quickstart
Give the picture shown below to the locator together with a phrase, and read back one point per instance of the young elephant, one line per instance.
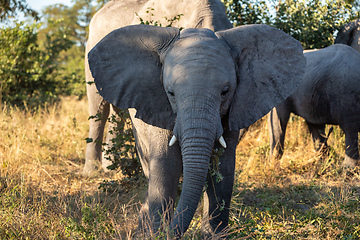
(328, 94)
(115, 14)
(188, 92)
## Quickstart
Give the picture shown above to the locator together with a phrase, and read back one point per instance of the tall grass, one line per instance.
(42, 193)
(306, 195)
(44, 196)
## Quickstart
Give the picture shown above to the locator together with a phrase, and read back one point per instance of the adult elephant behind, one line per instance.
(189, 92)
(115, 14)
(328, 94)
(350, 35)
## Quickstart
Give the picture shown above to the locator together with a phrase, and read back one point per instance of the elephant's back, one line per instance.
(113, 15)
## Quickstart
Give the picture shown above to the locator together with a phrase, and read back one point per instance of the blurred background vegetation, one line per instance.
(42, 56)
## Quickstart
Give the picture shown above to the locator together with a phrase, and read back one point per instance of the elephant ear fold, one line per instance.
(346, 33)
(270, 65)
(126, 68)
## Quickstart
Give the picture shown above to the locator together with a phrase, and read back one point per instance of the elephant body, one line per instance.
(188, 93)
(328, 94)
(115, 14)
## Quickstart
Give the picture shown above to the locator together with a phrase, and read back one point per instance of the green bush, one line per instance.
(28, 69)
(122, 151)
(314, 23)
(247, 12)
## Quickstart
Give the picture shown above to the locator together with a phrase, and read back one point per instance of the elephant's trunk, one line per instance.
(197, 128)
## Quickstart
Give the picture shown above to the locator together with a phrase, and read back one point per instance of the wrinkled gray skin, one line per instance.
(115, 14)
(350, 35)
(198, 85)
(328, 94)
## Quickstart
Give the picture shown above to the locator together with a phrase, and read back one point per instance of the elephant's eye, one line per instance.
(225, 90)
(170, 91)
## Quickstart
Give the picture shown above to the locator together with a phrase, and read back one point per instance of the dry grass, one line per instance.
(44, 196)
(42, 192)
(306, 195)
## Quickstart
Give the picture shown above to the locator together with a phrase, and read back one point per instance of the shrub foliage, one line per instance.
(314, 23)
(27, 69)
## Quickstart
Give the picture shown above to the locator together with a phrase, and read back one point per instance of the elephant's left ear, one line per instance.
(270, 65)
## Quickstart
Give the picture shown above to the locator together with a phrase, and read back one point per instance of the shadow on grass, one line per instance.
(109, 212)
(309, 209)
(28, 212)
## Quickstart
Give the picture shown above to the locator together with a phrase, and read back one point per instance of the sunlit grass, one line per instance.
(306, 195)
(43, 195)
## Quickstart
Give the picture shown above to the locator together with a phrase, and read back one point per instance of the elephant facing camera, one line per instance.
(189, 92)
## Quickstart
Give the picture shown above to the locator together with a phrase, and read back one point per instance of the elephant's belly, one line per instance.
(317, 116)
(315, 109)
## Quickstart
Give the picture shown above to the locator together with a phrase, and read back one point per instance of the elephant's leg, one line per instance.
(318, 135)
(164, 173)
(115, 127)
(351, 147)
(277, 122)
(165, 168)
(218, 193)
(97, 107)
(162, 166)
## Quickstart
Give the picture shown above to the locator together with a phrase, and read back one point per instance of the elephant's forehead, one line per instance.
(198, 61)
(196, 32)
(198, 55)
(198, 47)
(201, 39)
(198, 43)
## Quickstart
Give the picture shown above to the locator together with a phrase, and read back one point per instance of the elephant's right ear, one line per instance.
(346, 33)
(127, 71)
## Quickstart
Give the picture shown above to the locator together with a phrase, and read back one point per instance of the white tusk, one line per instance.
(222, 141)
(172, 141)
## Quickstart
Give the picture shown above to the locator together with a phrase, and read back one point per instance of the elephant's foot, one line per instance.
(91, 167)
(94, 166)
(207, 232)
(349, 162)
(147, 228)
